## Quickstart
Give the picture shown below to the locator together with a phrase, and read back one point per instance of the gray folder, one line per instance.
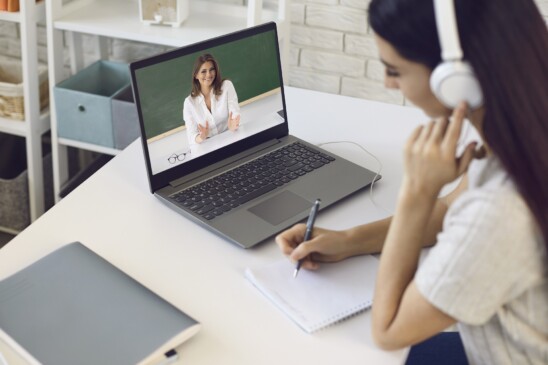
(74, 307)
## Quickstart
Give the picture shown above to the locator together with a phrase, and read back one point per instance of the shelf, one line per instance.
(7, 16)
(44, 122)
(88, 146)
(11, 126)
(9, 230)
(15, 17)
(19, 127)
(120, 19)
(36, 122)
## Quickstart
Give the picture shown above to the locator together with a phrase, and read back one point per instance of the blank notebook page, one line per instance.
(316, 299)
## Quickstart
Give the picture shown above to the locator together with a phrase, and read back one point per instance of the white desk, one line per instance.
(115, 215)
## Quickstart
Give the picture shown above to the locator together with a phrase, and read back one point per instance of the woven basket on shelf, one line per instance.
(12, 102)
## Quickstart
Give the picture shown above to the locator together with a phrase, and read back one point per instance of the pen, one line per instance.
(309, 228)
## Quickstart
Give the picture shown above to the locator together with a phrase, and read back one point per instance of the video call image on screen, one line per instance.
(200, 102)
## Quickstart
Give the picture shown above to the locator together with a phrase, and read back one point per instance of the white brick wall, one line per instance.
(332, 62)
(318, 61)
(332, 48)
(360, 4)
(543, 6)
(318, 38)
(336, 17)
(369, 89)
(300, 77)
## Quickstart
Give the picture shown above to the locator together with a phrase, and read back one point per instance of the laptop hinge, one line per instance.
(223, 163)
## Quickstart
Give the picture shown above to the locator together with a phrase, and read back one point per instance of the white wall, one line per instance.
(332, 48)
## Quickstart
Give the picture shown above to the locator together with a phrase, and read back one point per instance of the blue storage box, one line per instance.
(83, 102)
(125, 120)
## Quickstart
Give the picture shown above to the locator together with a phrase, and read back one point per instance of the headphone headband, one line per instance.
(453, 80)
(446, 23)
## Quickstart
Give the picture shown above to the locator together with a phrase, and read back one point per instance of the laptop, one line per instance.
(248, 182)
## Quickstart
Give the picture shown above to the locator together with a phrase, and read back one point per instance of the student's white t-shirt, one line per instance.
(489, 271)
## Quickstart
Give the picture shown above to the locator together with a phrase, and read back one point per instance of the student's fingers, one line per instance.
(318, 248)
(309, 252)
(480, 153)
(466, 157)
(425, 133)
(284, 245)
(301, 251)
(439, 130)
(291, 238)
(413, 138)
(309, 264)
(305, 252)
(455, 126)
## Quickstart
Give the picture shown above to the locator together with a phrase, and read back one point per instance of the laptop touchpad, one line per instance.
(280, 207)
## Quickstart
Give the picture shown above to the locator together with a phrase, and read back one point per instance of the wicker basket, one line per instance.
(12, 102)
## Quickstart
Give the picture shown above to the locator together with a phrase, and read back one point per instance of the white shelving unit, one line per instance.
(120, 19)
(35, 123)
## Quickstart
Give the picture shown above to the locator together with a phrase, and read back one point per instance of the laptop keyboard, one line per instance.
(235, 187)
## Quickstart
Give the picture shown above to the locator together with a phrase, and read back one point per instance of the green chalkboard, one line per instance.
(250, 63)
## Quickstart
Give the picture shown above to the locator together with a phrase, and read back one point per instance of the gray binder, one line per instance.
(74, 307)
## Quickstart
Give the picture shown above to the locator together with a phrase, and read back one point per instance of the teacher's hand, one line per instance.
(233, 123)
(204, 132)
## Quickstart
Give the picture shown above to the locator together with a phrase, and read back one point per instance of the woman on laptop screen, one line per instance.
(212, 106)
(488, 269)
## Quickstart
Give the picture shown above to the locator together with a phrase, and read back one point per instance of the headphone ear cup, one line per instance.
(453, 82)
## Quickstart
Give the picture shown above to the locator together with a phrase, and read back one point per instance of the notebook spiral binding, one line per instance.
(342, 316)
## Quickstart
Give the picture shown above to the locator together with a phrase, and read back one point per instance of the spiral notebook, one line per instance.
(317, 299)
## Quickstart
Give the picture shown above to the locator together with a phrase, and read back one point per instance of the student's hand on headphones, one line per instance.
(430, 155)
(204, 132)
(233, 123)
(324, 246)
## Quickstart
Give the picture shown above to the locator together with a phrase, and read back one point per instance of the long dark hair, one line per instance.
(217, 83)
(506, 42)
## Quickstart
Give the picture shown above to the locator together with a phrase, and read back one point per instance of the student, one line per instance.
(212, 106)
(488, 270)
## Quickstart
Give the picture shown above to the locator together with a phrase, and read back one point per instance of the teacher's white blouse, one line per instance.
(195, 112)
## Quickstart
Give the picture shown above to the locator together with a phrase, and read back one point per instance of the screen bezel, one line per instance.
(162, 179)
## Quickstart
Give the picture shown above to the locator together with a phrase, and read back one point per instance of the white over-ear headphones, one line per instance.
(453, 80)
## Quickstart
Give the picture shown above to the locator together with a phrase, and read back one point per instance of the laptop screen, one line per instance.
(205, 102)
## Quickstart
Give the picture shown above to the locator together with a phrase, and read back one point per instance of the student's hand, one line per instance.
(204, 132)
(324, 246)
(430, 155)
(233, 123)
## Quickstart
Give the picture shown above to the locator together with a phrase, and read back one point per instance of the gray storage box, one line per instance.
(83, 102)
(125, 120)
(14, 197)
